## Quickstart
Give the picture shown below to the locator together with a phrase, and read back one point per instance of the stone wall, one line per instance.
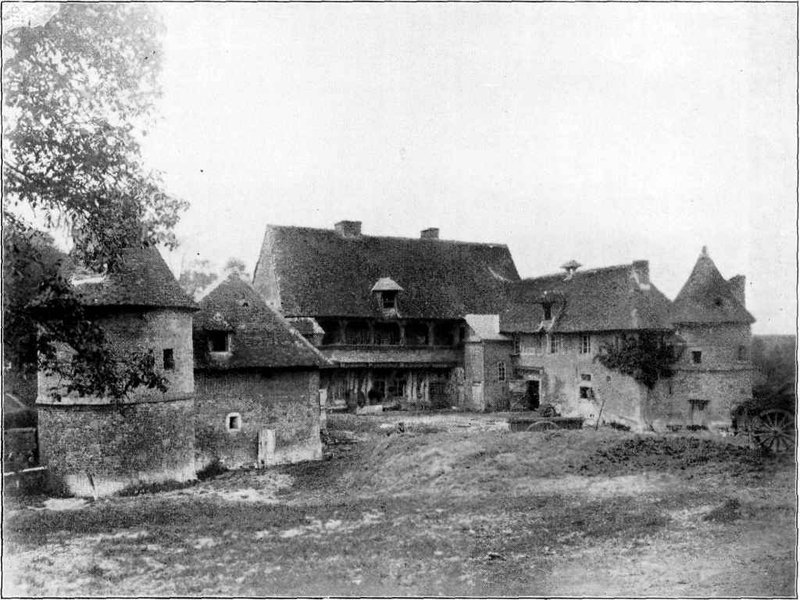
(100, 449)
(474, 373)
(495, 390)
(563, 374)
(704, 394)
(284, 401)
(151, 329)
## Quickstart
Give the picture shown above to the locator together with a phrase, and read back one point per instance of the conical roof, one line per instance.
(706, 297)
(141, 279)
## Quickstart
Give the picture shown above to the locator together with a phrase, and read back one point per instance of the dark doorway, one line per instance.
(532, 395)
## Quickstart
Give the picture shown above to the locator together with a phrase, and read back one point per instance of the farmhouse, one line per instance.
(389, 312)
(257, 382)
(559, 323)
(433, 323)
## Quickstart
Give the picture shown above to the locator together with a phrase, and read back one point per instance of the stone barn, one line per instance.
(96, 446)
(257, 379)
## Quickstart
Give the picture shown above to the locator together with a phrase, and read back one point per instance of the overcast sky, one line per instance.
(601, 132)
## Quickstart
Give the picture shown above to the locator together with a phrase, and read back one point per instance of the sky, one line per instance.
(606, 133)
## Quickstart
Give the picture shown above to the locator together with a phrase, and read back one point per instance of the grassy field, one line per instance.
(453, 505)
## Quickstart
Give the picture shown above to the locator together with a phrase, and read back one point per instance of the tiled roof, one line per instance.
(142, 279)
(260, 336)
(607, 299)
(707, 298)
(322, 273)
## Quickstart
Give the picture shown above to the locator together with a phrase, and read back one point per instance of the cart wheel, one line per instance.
(542, 426)
(774, 430)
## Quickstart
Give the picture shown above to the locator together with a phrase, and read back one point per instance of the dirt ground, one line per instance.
(453, 504)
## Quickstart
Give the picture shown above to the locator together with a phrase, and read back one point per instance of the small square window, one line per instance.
(697, 357)
(219, 341)
(233, 422)
(169, 359)
(586, 392)
(586, 376)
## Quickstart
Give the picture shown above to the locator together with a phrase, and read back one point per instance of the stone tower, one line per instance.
(93, 446)
(714, 374)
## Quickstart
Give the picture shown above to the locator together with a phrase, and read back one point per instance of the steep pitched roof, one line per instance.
(261, 337)
(142, 279)
(321, 273)
(706, 297)
(607, 299)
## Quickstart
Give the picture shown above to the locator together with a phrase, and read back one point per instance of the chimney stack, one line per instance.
(432, 233)
(737, 285)
(348, 228)
(641, 271)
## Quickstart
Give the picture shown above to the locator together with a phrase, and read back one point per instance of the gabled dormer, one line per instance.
(385, 292)
(552, 304)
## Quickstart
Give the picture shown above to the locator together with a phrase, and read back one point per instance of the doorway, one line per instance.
(532, 394)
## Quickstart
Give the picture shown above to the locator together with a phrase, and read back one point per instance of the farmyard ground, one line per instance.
(455, 505)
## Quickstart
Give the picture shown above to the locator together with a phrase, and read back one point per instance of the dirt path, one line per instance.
(438, 509)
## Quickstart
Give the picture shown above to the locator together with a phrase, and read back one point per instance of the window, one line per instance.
(537, 344)
(388, 300)
(586, 376)
(516, 342)
(169, 359)
(697, 357)
(742, 353)
(585, 344)
(586, 393)
(233, 422)
(501, 371)
(555, 344)
(548, 313)
(219, 341)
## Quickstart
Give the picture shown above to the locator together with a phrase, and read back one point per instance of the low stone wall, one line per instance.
(101, 449)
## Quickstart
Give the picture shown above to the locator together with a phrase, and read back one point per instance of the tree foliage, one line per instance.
(236, 266)
(646, 357)
(79, 93)
(196, 277)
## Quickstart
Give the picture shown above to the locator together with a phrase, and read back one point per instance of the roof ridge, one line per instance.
(393, 237)
(578, 273)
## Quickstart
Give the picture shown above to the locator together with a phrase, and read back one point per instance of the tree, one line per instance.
(79, 94)
(646, 357)
(197, 277)
(236, 266)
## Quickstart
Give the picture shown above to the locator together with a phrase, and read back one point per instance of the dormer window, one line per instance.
(389, 300)
(385, 291)
(548, 311)
(219, 341)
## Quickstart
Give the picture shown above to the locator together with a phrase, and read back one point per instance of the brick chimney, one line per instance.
(736, 285)
(348, 228)
(432, 233)
(641, 271)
